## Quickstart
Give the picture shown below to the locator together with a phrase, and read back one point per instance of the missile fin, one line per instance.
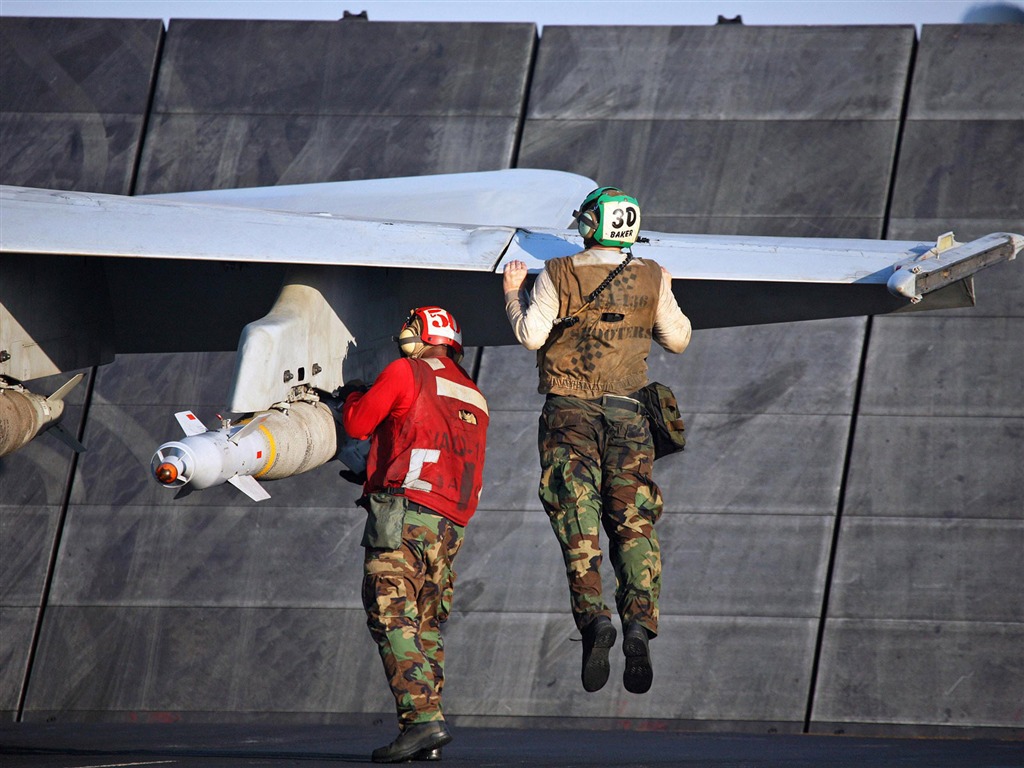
(190, 423)
(248, 485)
(66, 437)
(61, 393)
(251, 426)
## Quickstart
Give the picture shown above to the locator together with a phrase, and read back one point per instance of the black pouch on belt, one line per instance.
(666, 424)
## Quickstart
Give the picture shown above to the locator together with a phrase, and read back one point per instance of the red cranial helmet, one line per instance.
(430, 325)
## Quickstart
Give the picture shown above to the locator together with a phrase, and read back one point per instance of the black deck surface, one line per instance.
(108, 745)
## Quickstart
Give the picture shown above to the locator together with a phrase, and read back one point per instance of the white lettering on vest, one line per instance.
(417, 459)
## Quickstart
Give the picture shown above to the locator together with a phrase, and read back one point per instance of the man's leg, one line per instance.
(435, 599)
(392, 583)
(632, 505)
(570, 478)
(403, 592)
(569, 491)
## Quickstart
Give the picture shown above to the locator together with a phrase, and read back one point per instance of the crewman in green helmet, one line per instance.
(591, 318)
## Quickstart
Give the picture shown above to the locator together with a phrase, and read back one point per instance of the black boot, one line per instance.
(638, 675)
(598, 637)
(428, 755)
(417, 738)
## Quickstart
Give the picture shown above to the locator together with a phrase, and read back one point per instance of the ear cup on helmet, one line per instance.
(588, 222)
(409, 342)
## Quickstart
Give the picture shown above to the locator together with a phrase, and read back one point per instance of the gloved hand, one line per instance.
(353, 477)
(355, 385)
(336, 399)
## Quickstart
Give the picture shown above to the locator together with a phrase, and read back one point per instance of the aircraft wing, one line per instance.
(87, 275)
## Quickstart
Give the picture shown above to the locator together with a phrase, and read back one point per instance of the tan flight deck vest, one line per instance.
(606, 352)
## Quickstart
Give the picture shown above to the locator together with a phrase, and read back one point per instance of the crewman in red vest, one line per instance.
(427, 424)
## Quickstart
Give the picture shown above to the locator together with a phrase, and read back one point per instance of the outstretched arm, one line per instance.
(671, 326)
(532, 316)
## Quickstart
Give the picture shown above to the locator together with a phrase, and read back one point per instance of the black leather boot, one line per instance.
(638, 675)
(598, 637)
(417, 738)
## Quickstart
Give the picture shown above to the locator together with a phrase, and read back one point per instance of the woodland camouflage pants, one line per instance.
(596, 471)
(407, 594)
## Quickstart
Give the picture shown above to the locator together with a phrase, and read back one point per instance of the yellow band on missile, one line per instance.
(272, 448)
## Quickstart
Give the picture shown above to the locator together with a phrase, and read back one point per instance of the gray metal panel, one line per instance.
(536, 660)
(214, 151)
(926, 608)
(276, 102)
(941, 467)
(729, 168)
(929, 569)
(959, 170)
(722, 72)
(211, 556)
(348, 67)
(94, 152)
(971, 366)
(805, 368)
(73, 97)
(968, 72)
(17, 626)
(921, 673)
(104, 662)
(87, 66)
(960, 166)
(722, 565)
(785, 464)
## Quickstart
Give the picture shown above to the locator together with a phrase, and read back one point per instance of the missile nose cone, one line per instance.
(166, 473)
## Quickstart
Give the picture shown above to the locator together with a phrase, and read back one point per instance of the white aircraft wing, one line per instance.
(87, 275)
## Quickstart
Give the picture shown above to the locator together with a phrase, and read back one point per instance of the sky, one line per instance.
(544, 12)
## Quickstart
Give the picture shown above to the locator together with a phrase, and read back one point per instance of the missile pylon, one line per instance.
(270, 445)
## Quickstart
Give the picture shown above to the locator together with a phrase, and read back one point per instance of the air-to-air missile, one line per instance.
(270, 445)
(24, 414)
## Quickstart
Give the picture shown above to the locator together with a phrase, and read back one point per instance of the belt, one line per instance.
(412, 506)
(618, 401)
(611, 401)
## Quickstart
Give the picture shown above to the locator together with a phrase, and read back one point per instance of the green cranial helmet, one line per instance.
(609, 216)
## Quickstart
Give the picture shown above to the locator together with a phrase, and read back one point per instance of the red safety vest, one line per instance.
(435, 452)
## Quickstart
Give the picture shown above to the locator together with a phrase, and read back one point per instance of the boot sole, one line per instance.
(595, 667)
(638, 674)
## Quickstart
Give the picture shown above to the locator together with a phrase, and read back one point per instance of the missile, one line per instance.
(24, 415)
(270, 445)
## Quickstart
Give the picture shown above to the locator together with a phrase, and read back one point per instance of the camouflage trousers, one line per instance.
(596, 471)
(407, 594)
